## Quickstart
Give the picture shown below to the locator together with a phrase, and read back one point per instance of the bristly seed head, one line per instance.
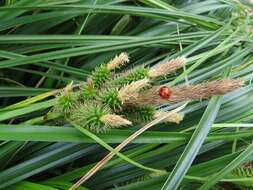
(97, 118)
(65, 102)
(167, 68)
(131, 76)
(172, 117)
(118, 61)
(115, 121)
(100, 75)
(131, 90)
(204, 90)
(187, 92)
(140, 114)
(88, 91)
(110, 98)
(89, 116)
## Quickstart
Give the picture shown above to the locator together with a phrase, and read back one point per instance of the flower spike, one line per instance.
(167, 68)
(118, 61)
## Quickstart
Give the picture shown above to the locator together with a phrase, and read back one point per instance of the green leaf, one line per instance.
(29, 132)
(195, 143)
(29, 109)
(29, 185)
(108, 147)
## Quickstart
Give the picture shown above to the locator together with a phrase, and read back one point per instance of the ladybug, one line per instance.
(165, 92)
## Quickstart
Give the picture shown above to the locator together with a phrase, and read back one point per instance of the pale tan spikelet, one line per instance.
(131, 90)
(68, 88)
(118, 61)
(172, 117)
(187, 92)
(114, 120)
(89, 82)
(204, 90)
(167, 68)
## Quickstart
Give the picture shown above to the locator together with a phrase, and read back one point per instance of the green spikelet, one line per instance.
(65, 103)
(88, 116)
(244, 171)
(100, 75)
(110, 98)
(88, 92)
(134, 75)
(140, 114)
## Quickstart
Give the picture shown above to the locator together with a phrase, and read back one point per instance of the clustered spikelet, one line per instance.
(118, 61)
(107, 101)
(166, 68)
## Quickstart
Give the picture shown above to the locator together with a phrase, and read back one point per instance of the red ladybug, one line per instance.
(165, 92)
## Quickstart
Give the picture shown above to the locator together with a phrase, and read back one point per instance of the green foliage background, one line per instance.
(46, 44)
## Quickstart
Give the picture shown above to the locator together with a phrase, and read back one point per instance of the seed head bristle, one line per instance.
(133, 75)
(88, 91)
(68, 88)
(131, 90)
(139, 114)
(118, 61)
(110, 98)
(167, 68)
(187, 92)
(100, 75)
(204, 90)
(172, 117)
(65, 102)
(114, 120)
(88, 115)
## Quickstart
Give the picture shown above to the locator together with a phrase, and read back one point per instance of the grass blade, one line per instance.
(194, 145)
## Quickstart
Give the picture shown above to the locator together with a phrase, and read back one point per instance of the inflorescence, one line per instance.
(108, 101)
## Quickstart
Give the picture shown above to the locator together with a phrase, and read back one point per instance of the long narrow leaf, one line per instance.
(194, 145)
